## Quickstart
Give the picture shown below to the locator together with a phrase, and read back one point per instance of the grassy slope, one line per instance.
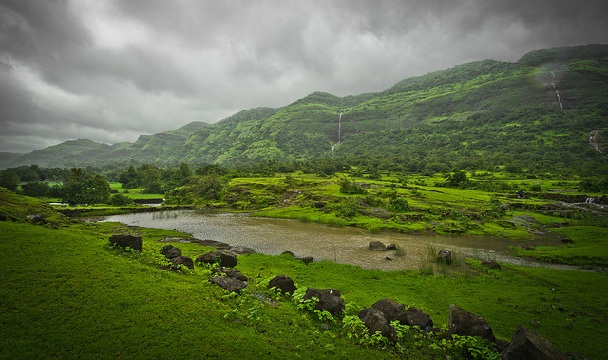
(65, 294)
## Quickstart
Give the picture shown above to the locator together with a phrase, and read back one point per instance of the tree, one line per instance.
(9, 179)
(83, 188)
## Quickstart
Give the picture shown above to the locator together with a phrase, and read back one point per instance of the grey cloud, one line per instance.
(113, 69)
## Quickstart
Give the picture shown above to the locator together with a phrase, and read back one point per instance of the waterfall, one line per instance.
(339, 127)
(559, 98)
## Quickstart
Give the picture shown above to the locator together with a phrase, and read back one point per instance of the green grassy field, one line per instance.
(66, 294)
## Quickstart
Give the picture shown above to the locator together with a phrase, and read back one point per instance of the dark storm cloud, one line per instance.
(110, 70)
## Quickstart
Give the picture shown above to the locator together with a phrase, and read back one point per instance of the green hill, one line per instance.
(546, 112)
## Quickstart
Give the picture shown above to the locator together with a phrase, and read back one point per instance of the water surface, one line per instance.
(341, 244)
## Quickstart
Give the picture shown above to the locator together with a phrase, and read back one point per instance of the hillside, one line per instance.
(546, 112)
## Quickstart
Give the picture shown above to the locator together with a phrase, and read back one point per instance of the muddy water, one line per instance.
(344, 245)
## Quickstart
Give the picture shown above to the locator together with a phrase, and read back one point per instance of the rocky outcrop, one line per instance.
(127, 241)
(181, 260)
(223, 257)
(376, 321)
(329, 300)
(228, 283)
(530, 345)
(170, 251)
(283, 283)
(465, 323)
(376, 246)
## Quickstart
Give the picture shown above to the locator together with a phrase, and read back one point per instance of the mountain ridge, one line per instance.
(481, 113)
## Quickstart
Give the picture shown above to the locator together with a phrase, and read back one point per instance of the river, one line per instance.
(340, 244)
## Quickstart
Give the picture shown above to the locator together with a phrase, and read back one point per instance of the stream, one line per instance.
(346, 245)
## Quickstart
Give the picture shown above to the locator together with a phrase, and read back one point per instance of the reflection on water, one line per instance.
(344, 245)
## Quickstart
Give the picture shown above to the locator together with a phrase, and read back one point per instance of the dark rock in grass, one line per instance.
(233, 274)
(307, 259)
(127, 241)
(465, 323)
(377, 246)
(240, 250)
(290, 253)
(225, 258)
(229, 283)
(3, 217)
(170, 251)
(375, 321)
(181, 260)
(283, 283)
(216, 244)
(392, 310)
(37, 219)
(444, 257)
(329, 300)
(529, 344)
(491, 264)
(391, 247)
(417, 317)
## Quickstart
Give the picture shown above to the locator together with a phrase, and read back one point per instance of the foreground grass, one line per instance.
(65, 294)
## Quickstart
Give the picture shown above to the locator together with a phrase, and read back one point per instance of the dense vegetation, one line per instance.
(473, 116)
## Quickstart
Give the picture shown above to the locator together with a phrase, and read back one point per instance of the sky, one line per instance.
(112, 70)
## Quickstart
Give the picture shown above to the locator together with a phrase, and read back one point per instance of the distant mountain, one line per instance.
(546, 112)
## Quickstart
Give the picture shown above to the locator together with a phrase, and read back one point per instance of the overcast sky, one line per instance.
(112, 70)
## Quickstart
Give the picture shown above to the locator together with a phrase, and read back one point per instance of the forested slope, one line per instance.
(546, 112)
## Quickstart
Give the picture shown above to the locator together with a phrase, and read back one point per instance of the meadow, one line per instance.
(67, 294)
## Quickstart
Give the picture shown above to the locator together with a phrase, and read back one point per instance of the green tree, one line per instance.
(83, 188)
(209, 187)
(9, 179)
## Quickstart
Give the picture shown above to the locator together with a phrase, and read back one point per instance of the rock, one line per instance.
(216, 244)
(491, 264)
(392, 310)
(181, 260)
(377, 246)
(127, 241)
(37, 219)
(283, 283)
(416, 317)
(329, 300)
(391, 247)
(465, 323)
(290, 253)
(225, 258)
(228, 283)
(233, 273)
(170, 251)
(307, 259)
(445, 257)
(3, 217)
(240, 250)
(375, 321)
(529, 344)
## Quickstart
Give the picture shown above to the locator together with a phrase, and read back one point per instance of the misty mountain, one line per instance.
(546, 112)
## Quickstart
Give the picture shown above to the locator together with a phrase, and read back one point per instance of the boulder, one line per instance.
(225, 258)
(307, 259)
(445, 257)
(283, 283)
(377, 246)
(229, 283)
(392, 310)
(465, 323)
(491, 264)
(290, 253)
(170, 251)
(391, 247)
(329, 300)
(240, 250)
(127, 241)
(375, 321)
(530, 345)
(233, 273)
(181, 260)
(417, 317)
